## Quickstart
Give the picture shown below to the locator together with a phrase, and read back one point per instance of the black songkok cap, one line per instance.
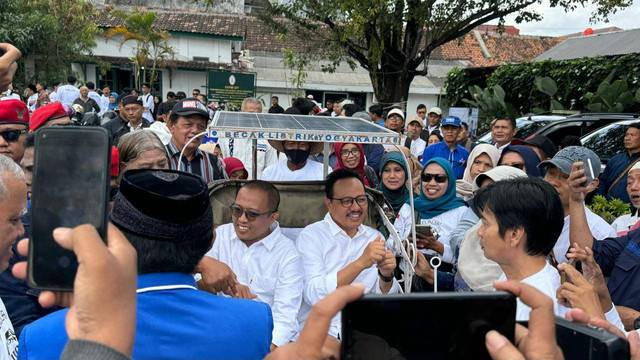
(131, 99)
(165, 205)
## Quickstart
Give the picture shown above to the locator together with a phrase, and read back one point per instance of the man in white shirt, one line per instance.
(503, 130)
(628, 222)
(242, 148)
(67, 94)
(414, 142)
(520, 222)
(147, 102)
(104, 100)
(266, 263)
(340, 250)
(297, 166)
(94, 95)
(557, 172)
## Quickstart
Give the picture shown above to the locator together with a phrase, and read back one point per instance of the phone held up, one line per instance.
(70, 187)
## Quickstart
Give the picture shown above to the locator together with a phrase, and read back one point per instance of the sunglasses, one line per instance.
(237, 211)
(426, 177)
(12, 135)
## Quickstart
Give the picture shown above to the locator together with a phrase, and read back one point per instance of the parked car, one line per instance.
(608, 141)
(579, 125)
(526, 126)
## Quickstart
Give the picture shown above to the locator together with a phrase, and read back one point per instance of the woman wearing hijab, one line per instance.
(482, 158)
(521, 157)
(351, 156)
(393, 185)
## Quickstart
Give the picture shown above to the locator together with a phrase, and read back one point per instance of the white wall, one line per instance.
(417, 99)
(183, 80)
(265, 94)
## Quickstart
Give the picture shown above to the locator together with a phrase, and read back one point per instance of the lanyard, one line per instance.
(164, 287)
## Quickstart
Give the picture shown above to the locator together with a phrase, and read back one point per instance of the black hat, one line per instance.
(540, 141)
(131, 99)
(165, 205)
(190, 106)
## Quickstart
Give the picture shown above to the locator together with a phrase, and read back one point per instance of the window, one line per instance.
(607, 141)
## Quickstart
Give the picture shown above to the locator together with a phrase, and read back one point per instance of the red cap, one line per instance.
(13, 111)
(115, 162)
(232, 164)
(46, 113)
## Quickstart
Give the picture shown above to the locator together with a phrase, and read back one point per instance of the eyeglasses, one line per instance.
(516, 165)
(12, 135)
(426, 177)
(346, 153)
(348, 201)
(237, 211)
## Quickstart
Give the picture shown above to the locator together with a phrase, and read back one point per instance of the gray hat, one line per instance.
(564, 159)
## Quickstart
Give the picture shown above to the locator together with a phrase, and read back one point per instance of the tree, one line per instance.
(393, 39)
(51, 34)
(152, 44)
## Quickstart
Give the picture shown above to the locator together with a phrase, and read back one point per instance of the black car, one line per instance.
(526, 126)
(609, 140)
(580, 125)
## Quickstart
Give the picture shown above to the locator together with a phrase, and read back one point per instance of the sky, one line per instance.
(556, 22)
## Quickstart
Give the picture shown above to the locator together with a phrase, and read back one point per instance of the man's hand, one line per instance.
(216, 276)
(243, 292)
(388, 264)
(592, 273)
(103, 302)
(578, 292)
(577, 182)
(536, 342)
(423, 269)
(8, 65)
(429, 242)
(373, 253)
(580, 317)
(314, 343)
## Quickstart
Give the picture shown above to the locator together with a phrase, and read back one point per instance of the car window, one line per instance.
(607, 141)
(529, 128)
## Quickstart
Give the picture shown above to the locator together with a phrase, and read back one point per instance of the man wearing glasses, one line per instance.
(14, 120)
(265, 262)
(340, 250)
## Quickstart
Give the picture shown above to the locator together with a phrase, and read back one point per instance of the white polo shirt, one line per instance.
(279, 171)
(600, 230)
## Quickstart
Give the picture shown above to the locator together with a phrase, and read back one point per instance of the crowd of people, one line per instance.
(510, 215)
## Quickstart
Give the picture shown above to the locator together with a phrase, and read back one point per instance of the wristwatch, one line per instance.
(636, 323)
(385, 278)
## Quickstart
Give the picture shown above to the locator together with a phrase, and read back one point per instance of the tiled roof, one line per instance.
(214, 24)
(193, 65)
(503, 49)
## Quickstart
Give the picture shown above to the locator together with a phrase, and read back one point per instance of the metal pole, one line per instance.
(326, 152)
(254, 160)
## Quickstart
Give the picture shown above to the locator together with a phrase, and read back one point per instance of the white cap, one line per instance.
(436, 110)
(635, 166)
(396, 112)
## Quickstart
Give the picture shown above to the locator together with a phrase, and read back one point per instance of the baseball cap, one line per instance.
(451, 121)
(436, 110)
(45, 113)
(571, 154)
(190, 106)
(14, 111)
(416, 119)
(396, 112)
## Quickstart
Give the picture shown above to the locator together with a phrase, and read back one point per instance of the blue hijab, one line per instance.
(400, 196)
(531, 160)
(428, 209)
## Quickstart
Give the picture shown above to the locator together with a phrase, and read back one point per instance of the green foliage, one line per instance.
(547, 86)
(609, 210)
(52, 33)
(574, 79)
(490, 102)
(611, 97)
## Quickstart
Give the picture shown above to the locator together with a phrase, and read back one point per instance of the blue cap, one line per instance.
(451, 121)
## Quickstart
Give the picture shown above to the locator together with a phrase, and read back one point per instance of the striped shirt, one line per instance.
(205, 165)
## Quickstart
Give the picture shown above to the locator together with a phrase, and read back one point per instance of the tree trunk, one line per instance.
(391, 85)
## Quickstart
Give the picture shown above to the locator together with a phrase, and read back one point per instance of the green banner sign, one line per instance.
(229, 86)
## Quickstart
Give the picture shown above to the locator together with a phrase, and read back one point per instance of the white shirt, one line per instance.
(600, 229)
(403, 222)
(417, 147)
(104, 104)
(273, 271)
(444, 224)
(161, 129)
(8, 339)
(546, 281)
(279, 171)
(67, 94)
(147, 102)
(241, 149)
(625, 222)
(325, 250)
(32, 101)
(53, 96)
(94, 95)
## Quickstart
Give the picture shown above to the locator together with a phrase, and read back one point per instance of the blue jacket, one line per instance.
(179, 323)
(457, 158)
(619, 259)
(615, 166)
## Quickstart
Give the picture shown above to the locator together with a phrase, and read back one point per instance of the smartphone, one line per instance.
(588, 171)
(424, 230)
(425, 325)
(580, 342)
(70, 187)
